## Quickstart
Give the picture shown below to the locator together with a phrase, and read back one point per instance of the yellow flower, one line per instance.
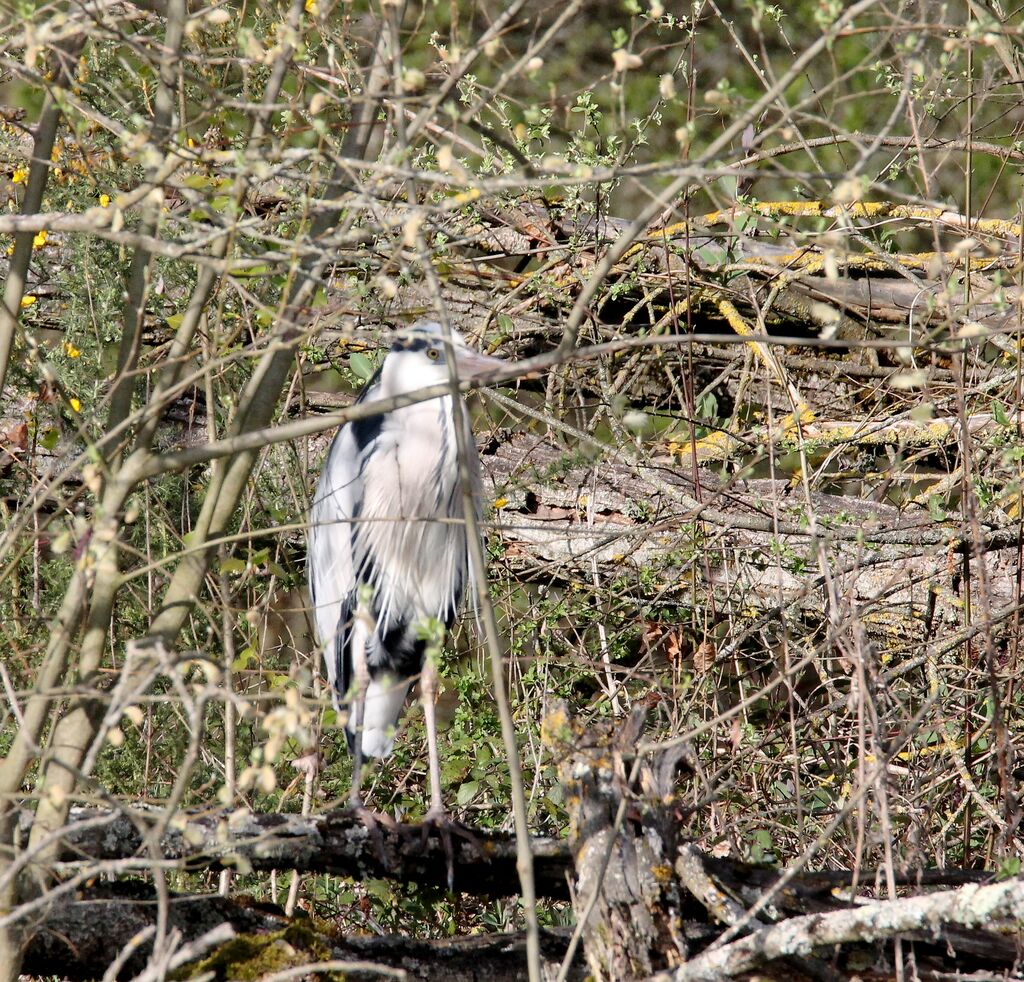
(27, 300)
(104, 200)
(75, 404)
(500, 503)
(20, 176)
(40, 240)
(70, 350)
(311, 7)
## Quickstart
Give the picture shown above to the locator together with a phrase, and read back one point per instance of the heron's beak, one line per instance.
(472, 364)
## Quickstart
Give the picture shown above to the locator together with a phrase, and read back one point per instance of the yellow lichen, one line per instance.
(556, 729)
(662, 873)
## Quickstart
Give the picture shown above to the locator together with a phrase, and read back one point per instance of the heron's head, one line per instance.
(417, 359)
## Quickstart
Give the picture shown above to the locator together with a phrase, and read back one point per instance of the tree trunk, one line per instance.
(626, 897)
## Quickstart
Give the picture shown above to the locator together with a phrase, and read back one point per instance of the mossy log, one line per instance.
(82, 938)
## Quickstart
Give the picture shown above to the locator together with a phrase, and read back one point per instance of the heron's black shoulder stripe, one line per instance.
(366, 430)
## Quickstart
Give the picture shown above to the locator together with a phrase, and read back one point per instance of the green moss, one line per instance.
(253, 956)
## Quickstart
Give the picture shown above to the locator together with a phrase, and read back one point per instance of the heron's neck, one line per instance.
(418, 443)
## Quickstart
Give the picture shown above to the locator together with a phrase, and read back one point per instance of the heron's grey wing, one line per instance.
(332, 583)
(330, 566)
(338, 504)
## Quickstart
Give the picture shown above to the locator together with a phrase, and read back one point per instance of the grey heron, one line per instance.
(388, 544)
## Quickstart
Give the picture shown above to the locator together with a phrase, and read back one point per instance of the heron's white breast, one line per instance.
(411, 535)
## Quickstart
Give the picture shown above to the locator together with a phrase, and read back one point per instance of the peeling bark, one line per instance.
(626, 896)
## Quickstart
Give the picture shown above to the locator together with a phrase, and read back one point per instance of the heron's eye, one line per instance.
(432, 353)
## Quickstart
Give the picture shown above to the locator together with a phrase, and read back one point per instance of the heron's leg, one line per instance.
(438, 816)
(361, 626)
(428, 693)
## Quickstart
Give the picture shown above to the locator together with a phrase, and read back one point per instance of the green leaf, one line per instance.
(761, 846)
(467, 792)
(707, 406)
(935, 508)
(244, 659)
(232, 565)
(711, 255)
(199, 182)
(49, 440)
(380, 889)
(241, 272)
(361, 366)
(999, 413)
(1009, 868)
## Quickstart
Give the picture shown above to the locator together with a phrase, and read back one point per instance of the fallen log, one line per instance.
(561, 515)
(82, 938)
(483, 862)
(647, 902)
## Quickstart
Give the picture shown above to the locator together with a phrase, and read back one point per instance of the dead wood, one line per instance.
(337, 842)
(651, 905)
(81, 939)
(749, 540)
(628, 909)
(561, 511)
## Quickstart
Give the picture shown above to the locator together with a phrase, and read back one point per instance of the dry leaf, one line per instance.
(704, 657)
(675, 650)
(735, 734)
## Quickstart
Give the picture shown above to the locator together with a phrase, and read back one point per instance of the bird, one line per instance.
(388, 547)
